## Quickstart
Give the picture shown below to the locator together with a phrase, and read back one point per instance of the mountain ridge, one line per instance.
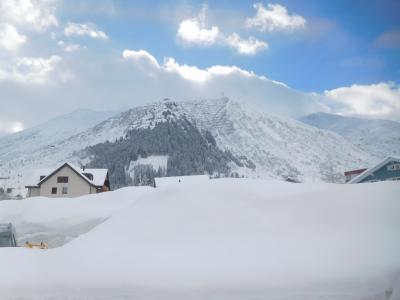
(378, 137)
(279, 147)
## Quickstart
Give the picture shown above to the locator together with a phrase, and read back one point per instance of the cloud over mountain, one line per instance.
(381, 100)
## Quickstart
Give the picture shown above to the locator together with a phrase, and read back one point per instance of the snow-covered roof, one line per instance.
(35, 176)
(374, 168)
(98, 175)
(167, 181)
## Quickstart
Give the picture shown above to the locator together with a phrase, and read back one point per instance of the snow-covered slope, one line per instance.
(235, 239)
(36, 147)
(278, 146)
(380, 138)
(51, 132)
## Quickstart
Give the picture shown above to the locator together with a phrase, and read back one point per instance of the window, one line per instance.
(65, 190)
(393, 167)
(62, 179)
(54, 190)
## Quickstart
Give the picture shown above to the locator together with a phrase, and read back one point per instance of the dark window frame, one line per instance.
(62, 179)
(54, 191)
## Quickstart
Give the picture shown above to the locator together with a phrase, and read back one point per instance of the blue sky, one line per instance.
(289, 57)
(338, 47)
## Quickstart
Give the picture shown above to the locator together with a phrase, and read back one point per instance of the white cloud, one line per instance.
(10, 39)
(250, 46)
(148, 63)
(194, 32)
(7, 127)
(69, 47)
(185, 82)
(82, 29)
(37, 14)
(381, 100)
(140, 55)
(275, 18)
(192, 73)
(36, 87)
(30, 70)
(191, 32)
(143, 60)
(228, 70)
(196, 74)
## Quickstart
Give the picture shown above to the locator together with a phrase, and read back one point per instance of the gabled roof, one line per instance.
(352, 172)
(371, 170)
(99, 175)
(34, 178)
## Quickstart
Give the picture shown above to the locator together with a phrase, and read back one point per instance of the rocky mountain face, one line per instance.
(379, 138)
(188, 137)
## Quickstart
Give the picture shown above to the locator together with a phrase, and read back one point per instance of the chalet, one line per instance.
(68, 181)
(387, 169)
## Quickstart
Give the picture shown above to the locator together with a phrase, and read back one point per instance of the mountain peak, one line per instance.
(278, 147)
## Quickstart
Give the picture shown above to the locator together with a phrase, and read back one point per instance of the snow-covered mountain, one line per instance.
(50, 133)
(380, 138)
(279, 147)
(22, 152)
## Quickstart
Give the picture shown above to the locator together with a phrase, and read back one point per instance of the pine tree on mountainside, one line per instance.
(189, 152)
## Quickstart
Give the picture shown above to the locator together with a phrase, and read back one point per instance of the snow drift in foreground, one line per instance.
(219, 239)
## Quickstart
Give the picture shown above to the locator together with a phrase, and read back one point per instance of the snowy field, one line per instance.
(219, 239)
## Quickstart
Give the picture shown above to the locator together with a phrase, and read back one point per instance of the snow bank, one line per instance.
(174, 180)
(59, 220)
(218, 239)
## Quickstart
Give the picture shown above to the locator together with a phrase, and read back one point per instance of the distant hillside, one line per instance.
(380, 138)
(248, 142)
(260, 145)
(187, 151)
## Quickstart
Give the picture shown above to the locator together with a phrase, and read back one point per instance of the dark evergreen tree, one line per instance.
(189, 152)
